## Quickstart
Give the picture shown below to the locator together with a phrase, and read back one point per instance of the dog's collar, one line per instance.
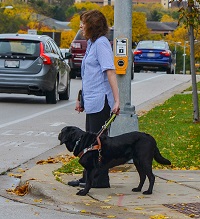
(77, 142)
(91, 148)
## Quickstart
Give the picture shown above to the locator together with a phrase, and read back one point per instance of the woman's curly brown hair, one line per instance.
(95, 24)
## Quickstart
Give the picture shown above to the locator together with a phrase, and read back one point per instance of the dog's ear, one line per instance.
(61, 138)
(63, 135)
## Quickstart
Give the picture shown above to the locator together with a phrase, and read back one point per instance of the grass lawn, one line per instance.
(171, 124)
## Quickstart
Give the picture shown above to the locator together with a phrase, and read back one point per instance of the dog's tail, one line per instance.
(159, 158)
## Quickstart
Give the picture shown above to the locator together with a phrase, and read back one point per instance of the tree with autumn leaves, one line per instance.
(23, 18)
(139, 28)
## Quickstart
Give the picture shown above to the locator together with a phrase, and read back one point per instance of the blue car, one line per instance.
(152, 55)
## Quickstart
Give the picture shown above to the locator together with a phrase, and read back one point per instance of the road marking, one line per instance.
(58, 124)
(35, 115)
(16, 144)
(136, 82)
(30, 133)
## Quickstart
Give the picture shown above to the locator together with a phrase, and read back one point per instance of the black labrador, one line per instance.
(107, 152)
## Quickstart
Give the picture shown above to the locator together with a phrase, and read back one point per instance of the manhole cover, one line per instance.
(190, 209)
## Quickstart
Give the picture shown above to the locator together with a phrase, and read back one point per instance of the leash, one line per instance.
(107, 124)
(98, 146)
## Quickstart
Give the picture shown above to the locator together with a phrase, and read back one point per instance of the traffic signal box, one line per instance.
(121, 55)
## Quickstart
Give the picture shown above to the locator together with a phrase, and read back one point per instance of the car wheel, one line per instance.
(52, 96)
(136, 69)
(132, 73)
(169, 71)
(66, 94)
(72, 74)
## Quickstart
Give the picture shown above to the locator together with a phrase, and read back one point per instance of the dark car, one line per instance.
(153, 56)
(33, 64)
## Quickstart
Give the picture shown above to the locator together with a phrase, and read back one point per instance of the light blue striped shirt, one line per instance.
(95, 85)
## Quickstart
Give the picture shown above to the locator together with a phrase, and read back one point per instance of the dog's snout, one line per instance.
(59, 138)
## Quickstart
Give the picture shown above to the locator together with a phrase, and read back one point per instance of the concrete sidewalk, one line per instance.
(176, 193)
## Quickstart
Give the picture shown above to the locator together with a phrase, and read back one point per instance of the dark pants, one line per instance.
(94, 123)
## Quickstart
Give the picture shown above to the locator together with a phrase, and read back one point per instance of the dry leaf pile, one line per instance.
(60, 158)
(19, 190)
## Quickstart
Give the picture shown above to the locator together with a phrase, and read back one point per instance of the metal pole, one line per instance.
(175, 60)
(184, 58)
(123, 28)
(127, 120)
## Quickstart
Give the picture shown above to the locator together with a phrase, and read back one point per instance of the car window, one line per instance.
(57, 50)
(152, 45)
(19, 46)
(79, 36)
(49, 48)
(5, 47)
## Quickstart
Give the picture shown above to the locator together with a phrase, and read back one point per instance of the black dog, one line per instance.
(140, 147)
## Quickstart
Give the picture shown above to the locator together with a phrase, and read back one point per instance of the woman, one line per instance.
(99, 83)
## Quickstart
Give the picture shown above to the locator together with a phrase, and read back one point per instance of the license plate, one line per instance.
(11, 63)
(150, 54)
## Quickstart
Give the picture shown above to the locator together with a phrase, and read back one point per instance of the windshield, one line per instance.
(152, 45)
(25, 47)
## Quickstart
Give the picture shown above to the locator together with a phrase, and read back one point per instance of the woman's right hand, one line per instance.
(78, 107)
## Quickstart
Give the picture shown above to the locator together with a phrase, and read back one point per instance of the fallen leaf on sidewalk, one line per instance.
(192, 215)
(111, 216)
(38, 200)
(158, 216)
(19, 190)
(49, 160)
(105, 207)
(20, 170)
(84, 211)
(138, 208)
(141, 197)
(170, 181)
(107, 200)
(15, 175)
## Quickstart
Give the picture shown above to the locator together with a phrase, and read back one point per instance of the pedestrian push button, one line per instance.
(121, 55)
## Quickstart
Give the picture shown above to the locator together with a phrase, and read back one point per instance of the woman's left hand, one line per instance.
(116, 108)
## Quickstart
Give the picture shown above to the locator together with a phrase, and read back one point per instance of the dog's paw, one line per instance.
(147, 192)
(136, 190)
(82, 192)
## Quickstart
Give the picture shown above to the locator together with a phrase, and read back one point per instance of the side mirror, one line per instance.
(68, 55)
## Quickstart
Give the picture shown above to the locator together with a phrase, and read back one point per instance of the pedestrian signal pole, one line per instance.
(127, 120)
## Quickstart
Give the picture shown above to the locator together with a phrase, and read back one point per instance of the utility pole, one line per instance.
(193, 73)
(184, 56)
(127, 120)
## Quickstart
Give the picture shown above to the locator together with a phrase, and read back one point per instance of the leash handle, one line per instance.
(107, 124)
(112, 118)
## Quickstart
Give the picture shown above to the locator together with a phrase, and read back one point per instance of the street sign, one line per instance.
(32, 31)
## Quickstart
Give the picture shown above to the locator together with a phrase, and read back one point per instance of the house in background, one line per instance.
(161, 27)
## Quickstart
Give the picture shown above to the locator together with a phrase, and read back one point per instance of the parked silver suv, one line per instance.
(33, 64)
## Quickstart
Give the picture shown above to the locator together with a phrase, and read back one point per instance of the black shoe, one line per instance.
(74, 183)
